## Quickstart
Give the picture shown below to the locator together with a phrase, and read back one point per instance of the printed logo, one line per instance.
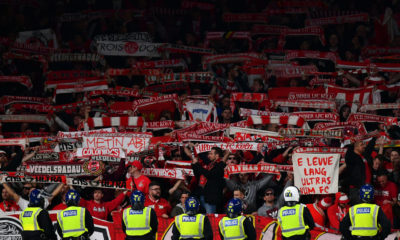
(133, 212)
(229, 223)
(70, 213)
(363, 210)
(28, 214)
(189, 219)
(288, 212)
(131, 47)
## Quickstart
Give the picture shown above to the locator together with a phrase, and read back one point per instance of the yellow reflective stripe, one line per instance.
(59, 218)
(35, 223)
(178, 226)
(221, 226)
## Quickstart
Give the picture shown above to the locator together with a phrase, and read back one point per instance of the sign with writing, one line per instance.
(130, 144)
(316, 173)
(249, 146)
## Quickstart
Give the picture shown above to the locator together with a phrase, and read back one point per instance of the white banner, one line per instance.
(41, 38)
(130, 144)
(316, 173)
(138, 49)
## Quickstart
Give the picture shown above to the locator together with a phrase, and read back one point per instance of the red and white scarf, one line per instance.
(167, 63)
(293, 54)
(113, 122)
(299, 132)
(232, 58)
(169, 124)
(190, 77)
(126, 92)
(67, 88)
(24, 80)
(268, 29)
(245, 17)
(247, 97)
(248, 146)
(70, 74)
(108, 152)
(79, 134)
(373, 107)
(350, 18)
(176, 48)
(353, 96)
(22, 142)
(77, 81)
(281, 120)
(318, 104)
(78, 57)
(363, 117)
(334, 125)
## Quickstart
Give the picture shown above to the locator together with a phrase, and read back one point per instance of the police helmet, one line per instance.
(137, 200)
(234, 207)
(291, 195)
(366, 193)
(72, 198)
(192, 205)
(36, 198)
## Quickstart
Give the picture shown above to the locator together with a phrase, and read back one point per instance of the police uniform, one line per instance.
(36, 224)
(75, 223)
(239, 228)
(295, 222)
(364, 221)
(192, 227)
(139, 224)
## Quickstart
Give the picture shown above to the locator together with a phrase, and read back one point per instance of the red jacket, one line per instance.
(160, 206)
(101, 210)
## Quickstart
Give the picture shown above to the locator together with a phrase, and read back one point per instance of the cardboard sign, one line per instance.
(316, 173)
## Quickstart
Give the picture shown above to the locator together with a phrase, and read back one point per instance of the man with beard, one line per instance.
(154, 200)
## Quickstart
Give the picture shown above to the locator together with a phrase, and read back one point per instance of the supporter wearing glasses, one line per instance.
(154, 200)
(269, 208)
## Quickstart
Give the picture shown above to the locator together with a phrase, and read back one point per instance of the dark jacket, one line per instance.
(355, 167)
(215, 181)
(154, 228)
(45, 224)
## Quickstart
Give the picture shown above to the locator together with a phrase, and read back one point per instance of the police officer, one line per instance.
(35, 221)
(192, 225)
(234, 225)
(365, 220)
(294, 219)
(74, 222)
(138, 221)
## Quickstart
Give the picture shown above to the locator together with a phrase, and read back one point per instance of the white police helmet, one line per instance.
(291, 194)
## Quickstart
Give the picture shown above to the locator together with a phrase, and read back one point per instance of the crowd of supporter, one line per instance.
(290, 57)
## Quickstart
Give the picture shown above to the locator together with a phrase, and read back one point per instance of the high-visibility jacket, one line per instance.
(364, 219)
(190, 226)
(72, 221)
(137, 222)
(232, 228)
(291, 220)
(29, 220)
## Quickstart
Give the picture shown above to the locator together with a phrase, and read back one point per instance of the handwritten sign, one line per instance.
(130, 144)
(316, 173)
